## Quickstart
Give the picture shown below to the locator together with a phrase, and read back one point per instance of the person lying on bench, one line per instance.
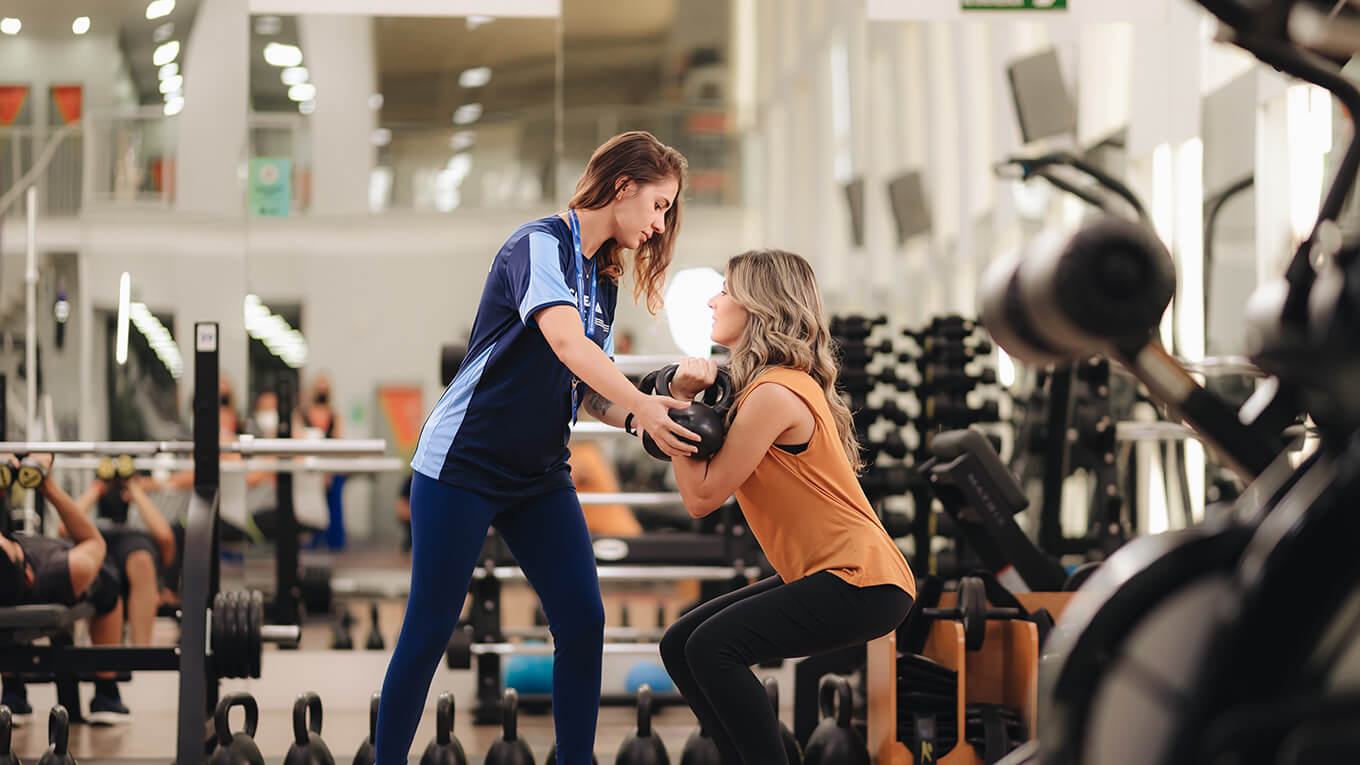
(137, 551)
(36, 569)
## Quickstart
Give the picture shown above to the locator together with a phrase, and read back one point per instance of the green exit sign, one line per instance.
(1015, 5)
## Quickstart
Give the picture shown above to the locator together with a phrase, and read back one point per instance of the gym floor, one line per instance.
(345, 679)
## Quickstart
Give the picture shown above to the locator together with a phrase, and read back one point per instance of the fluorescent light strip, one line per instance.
(275, 332)
(121, 339)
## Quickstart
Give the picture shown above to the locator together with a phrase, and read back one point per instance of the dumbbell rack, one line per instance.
(1005, 671)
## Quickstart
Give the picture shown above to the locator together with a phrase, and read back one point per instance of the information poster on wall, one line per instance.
(271, 193)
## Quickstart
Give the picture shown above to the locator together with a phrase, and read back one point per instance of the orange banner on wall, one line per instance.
(403, 412)
(11, 102)
(67, 98)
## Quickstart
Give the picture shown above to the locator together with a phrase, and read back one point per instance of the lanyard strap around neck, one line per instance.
(586, 305)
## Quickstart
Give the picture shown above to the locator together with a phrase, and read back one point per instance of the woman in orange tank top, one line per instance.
(792, 459)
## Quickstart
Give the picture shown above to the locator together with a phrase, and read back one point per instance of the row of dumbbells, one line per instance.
(942, 377)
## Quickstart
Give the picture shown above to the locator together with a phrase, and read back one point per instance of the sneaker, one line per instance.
(21, 713)
(106, 710)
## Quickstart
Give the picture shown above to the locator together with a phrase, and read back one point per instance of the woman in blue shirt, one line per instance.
(493, 452)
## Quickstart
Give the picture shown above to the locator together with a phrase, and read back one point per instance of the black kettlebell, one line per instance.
(7, 755)
(700, 749)
(367, 754)
(834, 742)
(552, 757)
(706, 417)
(58, 738)
(510, 749)
(307, 747)
(375, 638)
(236, 748)
(445, 748)
(641, 747)
(791, 748)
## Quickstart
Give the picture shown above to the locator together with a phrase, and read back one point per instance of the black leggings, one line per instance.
(709, 651)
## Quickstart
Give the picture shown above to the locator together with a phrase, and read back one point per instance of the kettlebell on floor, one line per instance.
(444, 749)
(367, 754)
(834, 742)
(642, 747)
(307, 747)
(58, 738)
(510, 749)
(236, 748)
(791, 748)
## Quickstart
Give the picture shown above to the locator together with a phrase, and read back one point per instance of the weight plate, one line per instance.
(256, 624)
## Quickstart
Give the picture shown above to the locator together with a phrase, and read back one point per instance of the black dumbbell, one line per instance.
(972, 610)
(236, 748)
(642, 746)
(444, 748)
(510, 749)
(307, 747)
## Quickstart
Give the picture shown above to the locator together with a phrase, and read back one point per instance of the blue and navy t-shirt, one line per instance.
(502, 425)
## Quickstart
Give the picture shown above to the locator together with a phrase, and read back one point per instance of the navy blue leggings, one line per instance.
(548, 537)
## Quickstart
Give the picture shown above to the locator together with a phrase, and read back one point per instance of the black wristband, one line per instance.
(628, 425)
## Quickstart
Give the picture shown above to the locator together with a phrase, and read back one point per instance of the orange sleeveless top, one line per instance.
(808, 511)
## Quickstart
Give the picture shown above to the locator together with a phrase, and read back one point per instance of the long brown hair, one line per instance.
(785, 328)
(639, 157)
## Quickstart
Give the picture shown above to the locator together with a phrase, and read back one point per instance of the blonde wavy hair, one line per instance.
(785, 329)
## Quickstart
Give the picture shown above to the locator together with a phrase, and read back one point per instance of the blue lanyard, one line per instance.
(587, 307)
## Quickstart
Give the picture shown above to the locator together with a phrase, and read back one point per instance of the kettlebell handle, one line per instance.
(510, 714)
(443, 729)
(644, 710)
(834, 696)
(221, 723)
(722, 389)
(306, 702)
(373, 716)
(59, 730)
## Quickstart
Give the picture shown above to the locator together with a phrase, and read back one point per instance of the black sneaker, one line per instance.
(21, 713)
(106, 710)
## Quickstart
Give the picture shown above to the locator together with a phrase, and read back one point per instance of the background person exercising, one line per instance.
(44, 570)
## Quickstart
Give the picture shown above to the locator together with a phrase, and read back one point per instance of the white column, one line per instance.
(338, 54)
(212, 127)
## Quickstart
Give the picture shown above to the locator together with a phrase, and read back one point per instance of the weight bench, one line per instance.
(982, 497)
(24, 624)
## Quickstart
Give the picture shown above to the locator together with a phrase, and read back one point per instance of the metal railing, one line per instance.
(60, 183)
